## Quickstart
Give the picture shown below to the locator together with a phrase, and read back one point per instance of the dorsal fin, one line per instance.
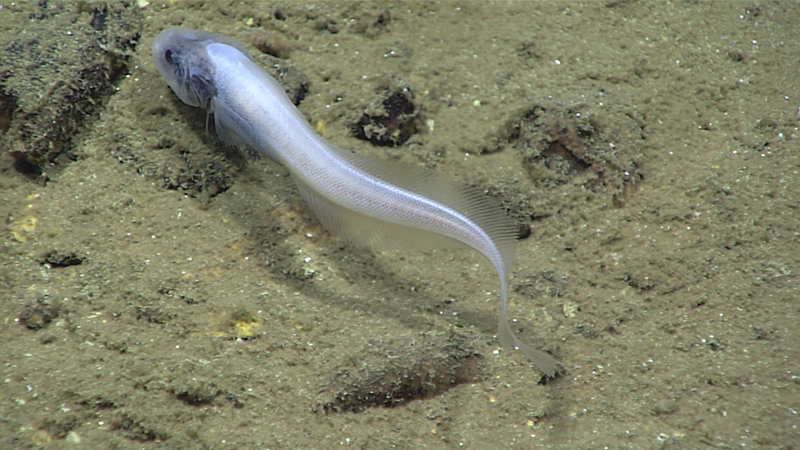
(472, 203)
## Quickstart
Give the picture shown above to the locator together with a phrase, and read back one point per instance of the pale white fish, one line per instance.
(364, 199)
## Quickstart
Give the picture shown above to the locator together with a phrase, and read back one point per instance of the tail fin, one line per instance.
(543, 361)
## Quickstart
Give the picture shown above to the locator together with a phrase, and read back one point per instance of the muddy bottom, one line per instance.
(159, 289)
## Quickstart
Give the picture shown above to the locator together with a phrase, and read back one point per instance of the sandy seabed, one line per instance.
(159, 290)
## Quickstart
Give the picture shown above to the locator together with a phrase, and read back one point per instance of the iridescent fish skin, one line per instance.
(364, 199)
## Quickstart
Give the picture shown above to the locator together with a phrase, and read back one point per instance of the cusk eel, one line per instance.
(364, 199)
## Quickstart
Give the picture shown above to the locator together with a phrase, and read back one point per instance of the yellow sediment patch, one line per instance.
(230, 325)
(25, 224)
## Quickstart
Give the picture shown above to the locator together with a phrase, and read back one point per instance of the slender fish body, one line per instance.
(364, 199)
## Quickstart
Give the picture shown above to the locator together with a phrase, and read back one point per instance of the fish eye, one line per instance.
(169, 56)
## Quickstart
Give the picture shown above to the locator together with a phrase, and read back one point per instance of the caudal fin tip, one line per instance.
(543, 361)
